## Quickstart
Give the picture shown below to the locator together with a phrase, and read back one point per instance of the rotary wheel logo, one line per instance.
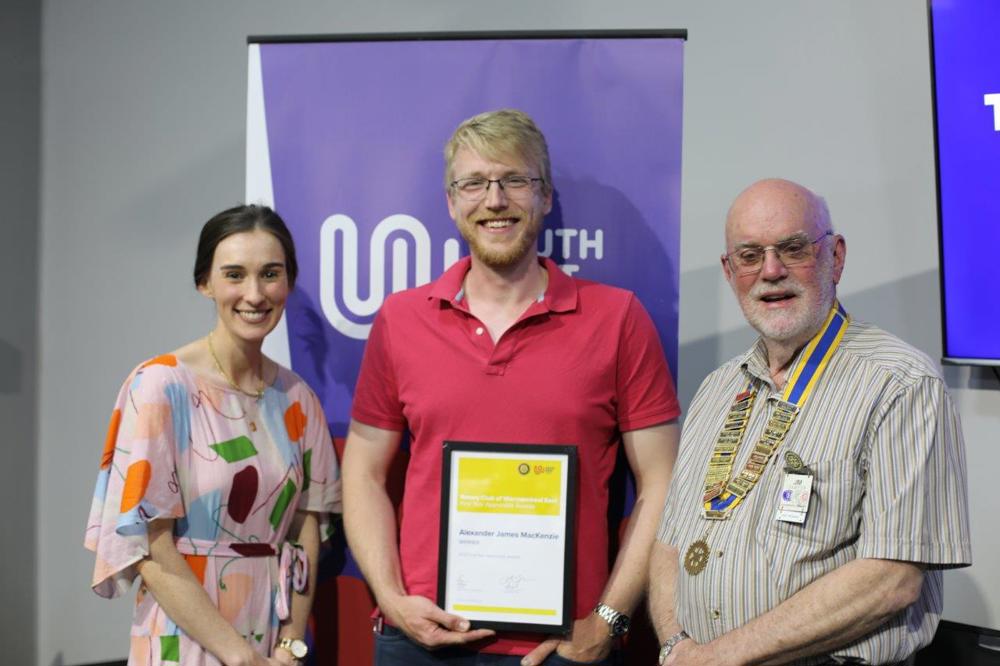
(524, 468)
(696, 557)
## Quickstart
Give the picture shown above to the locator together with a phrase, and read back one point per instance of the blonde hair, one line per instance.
(499, 134)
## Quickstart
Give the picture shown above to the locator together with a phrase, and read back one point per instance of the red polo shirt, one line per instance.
(580, 366)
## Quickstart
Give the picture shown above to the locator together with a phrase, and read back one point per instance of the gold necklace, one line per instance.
(260, 391)
(722, 493)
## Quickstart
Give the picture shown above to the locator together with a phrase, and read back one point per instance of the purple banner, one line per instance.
(355, 132)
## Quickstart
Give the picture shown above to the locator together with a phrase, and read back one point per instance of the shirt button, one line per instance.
(719, 553)
(479, 330)
(716, 614)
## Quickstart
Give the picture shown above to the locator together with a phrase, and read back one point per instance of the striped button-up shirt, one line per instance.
(881, 437)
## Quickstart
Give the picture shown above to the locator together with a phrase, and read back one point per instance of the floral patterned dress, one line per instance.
(231, 470)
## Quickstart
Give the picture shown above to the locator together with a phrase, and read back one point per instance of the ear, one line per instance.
(451, 204)
(839, 257)
(726, 270)
(547, 202)
(205, 290)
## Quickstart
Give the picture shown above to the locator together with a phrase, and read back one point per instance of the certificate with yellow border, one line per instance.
(507, 535)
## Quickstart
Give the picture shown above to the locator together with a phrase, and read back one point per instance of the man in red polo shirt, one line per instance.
(505, 347)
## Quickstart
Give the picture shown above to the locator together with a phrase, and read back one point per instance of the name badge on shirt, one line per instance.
(793, 504)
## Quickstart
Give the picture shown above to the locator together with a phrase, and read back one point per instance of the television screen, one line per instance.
(965, 60)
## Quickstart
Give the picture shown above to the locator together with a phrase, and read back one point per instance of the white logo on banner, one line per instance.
(565, 240)
(348, 278)
(584, 244)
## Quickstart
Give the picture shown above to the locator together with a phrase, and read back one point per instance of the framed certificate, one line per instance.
(507, 535)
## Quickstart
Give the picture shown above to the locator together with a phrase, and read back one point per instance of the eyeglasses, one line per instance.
(474, 189)
(794, 251)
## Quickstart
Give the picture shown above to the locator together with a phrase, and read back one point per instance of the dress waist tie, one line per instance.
(293, 563)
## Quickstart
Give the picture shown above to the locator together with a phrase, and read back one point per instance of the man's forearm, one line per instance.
(830, 612)
(630, 573)
(663, 569)
(651, 453)
(369, 515)
(370, 521)
(370, 524)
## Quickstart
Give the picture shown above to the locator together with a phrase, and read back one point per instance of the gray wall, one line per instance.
(20, 53)
(142, 138)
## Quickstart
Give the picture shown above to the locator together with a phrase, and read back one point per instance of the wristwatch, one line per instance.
(670, 644)
(618, 623)
(296, 646)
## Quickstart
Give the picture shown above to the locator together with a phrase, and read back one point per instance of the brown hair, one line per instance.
(239, 219)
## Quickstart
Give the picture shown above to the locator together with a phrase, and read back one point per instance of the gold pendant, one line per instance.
(696, 557)
(793, 461)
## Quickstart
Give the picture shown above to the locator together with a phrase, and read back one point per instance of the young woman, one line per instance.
(219, 476)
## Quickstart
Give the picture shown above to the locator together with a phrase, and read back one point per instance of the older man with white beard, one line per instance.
(820, 487)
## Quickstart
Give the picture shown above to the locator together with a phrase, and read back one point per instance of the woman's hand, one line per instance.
(255, 659)
(284, 658)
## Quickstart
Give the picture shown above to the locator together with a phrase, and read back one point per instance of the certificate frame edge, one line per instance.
(569, 561)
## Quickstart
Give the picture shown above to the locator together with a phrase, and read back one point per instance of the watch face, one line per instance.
(299, 649)
(620, 626)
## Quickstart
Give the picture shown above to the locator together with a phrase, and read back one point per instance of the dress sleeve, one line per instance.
(646, 395)
(321, 473)
(137, 480)
(915, 506)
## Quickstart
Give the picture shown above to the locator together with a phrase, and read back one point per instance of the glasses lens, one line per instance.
(515, 182)
(471, 188)
(794, 251)
(748, 259)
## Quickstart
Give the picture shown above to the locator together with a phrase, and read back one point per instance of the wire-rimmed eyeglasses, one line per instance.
(794, 251)
(475, 188)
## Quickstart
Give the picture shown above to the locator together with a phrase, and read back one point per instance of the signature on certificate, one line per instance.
(513, 583)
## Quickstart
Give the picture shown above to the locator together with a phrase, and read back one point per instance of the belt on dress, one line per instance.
(293, 563)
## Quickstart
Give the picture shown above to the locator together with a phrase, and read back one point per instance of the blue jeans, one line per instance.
(393, 648)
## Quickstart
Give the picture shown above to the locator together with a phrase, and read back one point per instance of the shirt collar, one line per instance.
(559, 296)
(755, 361)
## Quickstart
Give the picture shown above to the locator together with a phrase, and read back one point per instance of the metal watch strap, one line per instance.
(295, 646)
(670, 644)
(618, 622)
